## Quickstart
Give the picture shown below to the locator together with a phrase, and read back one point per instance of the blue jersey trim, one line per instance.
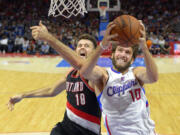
(98, 99)
(115, 71)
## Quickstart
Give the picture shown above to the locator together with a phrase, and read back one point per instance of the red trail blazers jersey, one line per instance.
(82, 105)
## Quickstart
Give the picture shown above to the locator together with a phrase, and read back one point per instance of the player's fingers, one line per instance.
(34, 27)
(9, 105)
(40, 23)
(110, 24)
(142, 40)
(35, 31)
(142, 33)
(112, 36)
(115, 42)
(34, 34)
(12, 107)
(110, 28)
(142, 25)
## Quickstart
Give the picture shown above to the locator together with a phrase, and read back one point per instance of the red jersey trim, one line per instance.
(107, 126)
(74, 76)
(83, 115)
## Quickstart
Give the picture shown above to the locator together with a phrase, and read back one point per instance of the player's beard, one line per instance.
(120, 68)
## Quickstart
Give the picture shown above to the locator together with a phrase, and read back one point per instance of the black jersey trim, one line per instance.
(86, 83)
(82, 78)
(83, 115)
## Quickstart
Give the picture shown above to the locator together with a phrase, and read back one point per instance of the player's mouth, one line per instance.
(83, 54)
(121, 60)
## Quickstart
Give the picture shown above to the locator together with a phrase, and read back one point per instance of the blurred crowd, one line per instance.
(161, 18)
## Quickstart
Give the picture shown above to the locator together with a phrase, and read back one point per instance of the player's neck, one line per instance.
(123, 71)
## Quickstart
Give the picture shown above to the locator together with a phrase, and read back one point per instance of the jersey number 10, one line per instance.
(80, 99)
(136, 94)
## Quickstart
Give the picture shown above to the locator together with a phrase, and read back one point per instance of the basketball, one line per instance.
(128, 30)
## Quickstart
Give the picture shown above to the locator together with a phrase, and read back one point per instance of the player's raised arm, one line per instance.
(40, 32)
(88, 70)
(150, 73)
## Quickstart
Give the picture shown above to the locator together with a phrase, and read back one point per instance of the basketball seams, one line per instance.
(128, 40)
(127, 29)
(133, 37)
(123, 29)
(119, 39)
(131, 34)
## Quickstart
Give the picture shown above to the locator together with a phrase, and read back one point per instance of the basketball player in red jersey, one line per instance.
(83, 115)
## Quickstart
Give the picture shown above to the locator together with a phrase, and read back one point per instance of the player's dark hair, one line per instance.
(89, 37)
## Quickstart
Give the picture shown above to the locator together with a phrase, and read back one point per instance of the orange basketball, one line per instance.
(128, 30)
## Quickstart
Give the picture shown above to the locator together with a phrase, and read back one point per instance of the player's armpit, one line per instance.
(141, 74)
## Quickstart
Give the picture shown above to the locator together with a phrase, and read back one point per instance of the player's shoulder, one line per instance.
(138, 69)
(102, 70)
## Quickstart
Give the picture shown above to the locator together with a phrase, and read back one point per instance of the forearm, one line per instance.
(67, 53)
(151, 67)
(45, 92)
(88, 66)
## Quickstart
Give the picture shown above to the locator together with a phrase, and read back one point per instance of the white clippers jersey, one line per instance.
(124, 105)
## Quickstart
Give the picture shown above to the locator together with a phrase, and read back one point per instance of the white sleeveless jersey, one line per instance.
(124, 105)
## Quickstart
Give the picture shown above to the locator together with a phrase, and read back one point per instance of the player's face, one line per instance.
(122, 58)
(84, 48)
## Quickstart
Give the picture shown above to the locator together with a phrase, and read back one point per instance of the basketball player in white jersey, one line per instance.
(124, 105)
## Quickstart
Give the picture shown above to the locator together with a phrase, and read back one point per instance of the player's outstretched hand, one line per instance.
(40, 32)
(13, 100)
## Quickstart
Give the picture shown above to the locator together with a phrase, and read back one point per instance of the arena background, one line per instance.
(33, 64)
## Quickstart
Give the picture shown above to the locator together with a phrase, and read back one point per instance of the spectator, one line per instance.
(31, 48)
(18, 44)
(155, 48)
(25, 45)
(4, 44)
(167, 48)
(44, 49)
(155, 16)
(161, 43)
(10, 44)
